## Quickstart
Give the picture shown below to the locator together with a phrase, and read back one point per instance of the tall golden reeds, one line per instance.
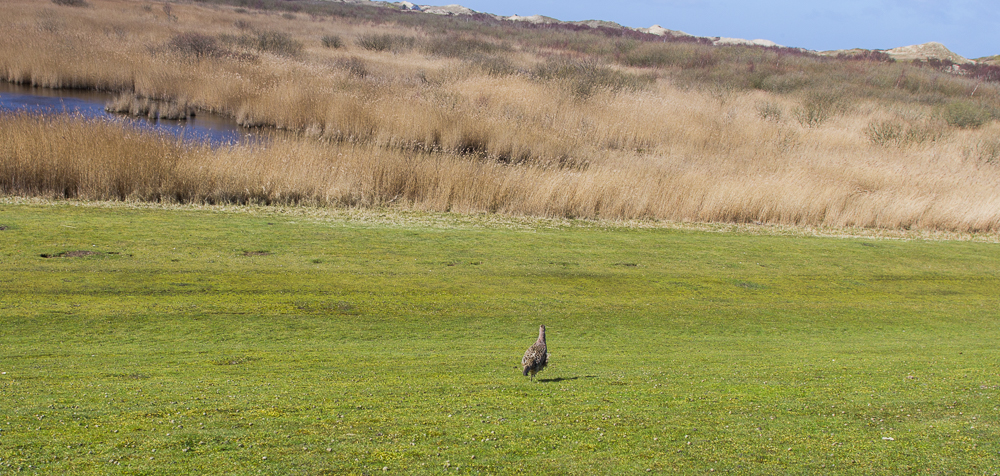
(72, 157)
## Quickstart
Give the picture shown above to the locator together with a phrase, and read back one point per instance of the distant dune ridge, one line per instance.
(537, 19)
(660, 31)
(447, 10)
(741, 41)
(932, 50)
(927, 51)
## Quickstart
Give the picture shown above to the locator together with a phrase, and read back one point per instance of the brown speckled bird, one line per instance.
(537, 356)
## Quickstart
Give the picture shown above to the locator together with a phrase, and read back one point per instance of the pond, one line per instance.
(210, 128)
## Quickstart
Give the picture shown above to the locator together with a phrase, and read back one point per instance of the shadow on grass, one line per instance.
(563, 379)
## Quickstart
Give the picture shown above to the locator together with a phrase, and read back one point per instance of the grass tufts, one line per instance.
(986, 151)
(885, 133)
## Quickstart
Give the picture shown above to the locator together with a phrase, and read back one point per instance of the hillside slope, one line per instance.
(926, 51)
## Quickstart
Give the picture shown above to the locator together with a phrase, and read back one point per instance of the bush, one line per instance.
(818, 107)
(493, 65)
(458, 47)
(769, 111)
(885, 133)
(659, 55)
(588, 77)
(966, 114)
(276, 42)
(867, 55)
(898, 133)
(196, 44)
(354, 66)
(71, 3)
(332, 41)
(923, 132)
(986, 151)
(385, 42)
(279, 43)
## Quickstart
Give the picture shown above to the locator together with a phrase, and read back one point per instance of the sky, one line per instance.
(970, 28)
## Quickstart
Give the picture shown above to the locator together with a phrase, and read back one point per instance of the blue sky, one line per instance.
(970, 28)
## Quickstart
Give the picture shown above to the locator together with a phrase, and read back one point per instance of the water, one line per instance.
(209, 128)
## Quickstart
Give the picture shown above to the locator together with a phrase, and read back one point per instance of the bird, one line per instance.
(536, 357)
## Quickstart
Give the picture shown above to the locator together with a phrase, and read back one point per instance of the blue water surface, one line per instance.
(204, 128)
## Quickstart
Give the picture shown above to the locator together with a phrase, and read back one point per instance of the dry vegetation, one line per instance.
(436, 113)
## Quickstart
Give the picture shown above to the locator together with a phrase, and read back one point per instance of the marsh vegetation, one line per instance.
(436, 113)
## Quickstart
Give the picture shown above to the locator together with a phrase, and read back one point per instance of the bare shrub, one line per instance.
(354, 66)
(169, 12)
(588, 77)
(986, 151)
(493, 65)
(769, 111)
(71, 3)
(453, 46)
(274, 42)
(197, 45)
(385, 42)
(279, 43)
(332, 41)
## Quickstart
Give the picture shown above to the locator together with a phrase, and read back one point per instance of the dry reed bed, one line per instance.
(70, 157)
(435, 133)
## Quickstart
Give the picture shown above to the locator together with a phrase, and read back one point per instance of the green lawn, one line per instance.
(198, 341)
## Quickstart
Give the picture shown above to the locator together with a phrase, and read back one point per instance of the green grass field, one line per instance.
(268, 341)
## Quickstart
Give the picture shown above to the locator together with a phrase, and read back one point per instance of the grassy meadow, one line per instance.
(422, 112)
(268, 340)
